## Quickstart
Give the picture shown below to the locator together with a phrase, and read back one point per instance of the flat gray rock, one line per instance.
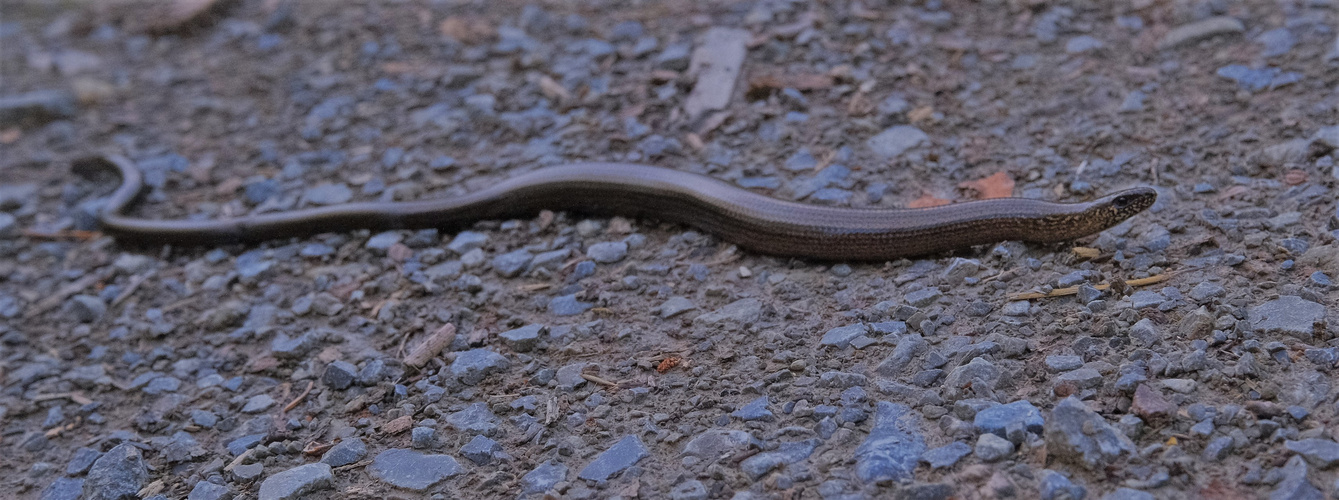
(896, 140)
(623, 454)
(543, 477)
(470, 367)
(1289, 315)
(116, 475)
(785, 454)
(947, 455)
(894, 445)
(296, 482)
(1322, 453)
(1079, 435)
(412, 470)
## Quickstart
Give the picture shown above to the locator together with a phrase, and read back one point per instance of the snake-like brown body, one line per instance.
(750, 220)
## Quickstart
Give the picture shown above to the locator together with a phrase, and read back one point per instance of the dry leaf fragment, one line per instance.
(1000, 185)
(926, 201)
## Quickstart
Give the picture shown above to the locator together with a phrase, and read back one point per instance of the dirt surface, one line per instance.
(603, 358)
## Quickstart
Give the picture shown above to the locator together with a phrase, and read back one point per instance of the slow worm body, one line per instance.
(750, 220)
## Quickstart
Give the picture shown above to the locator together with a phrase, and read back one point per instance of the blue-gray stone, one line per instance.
(841, 336)
(383, 241)
(339, 374)
(476, 418)
(675, 306)
(85, 308)
(63, 488)
(1322, 453)
(422, 437)
(162, 385)
(258, 403)
(1258, 79)
(412, 470)
(525, 338)
(991, 448)
(1277, 42)
(1145, 298)
(1289, 314)
(802, 160)
(117, 474)
(896, 140)
(924, 297)
(205, 490)
(1205, 290)
(543, 477)
(241, 444)
(623, 454)
(328, 194)
(607, 252)
(470, 367)
(785, 454)
(466, 241)
(1077, 434)
(894, 445)
(998, 418)
(83, 459)
(511, 264)
(480, 450)
(1055, 486)
(296, 482)
(568, 305)
(894, 328)
(754, 410)
(347, 452)
(946, 456)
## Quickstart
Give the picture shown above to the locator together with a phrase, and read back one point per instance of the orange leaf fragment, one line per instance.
(926, 201)
(1000, 185)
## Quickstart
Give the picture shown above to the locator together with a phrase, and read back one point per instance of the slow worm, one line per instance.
(750, 220)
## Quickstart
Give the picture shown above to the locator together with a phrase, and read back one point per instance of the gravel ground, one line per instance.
(615, 358)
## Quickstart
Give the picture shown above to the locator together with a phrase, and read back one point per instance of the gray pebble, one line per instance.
(524, 339)
(1082, 44)
(205, 490)
(623, 454)
(755, 410)
(568, 305)
(383, 241)
(893, 447)
(258, 403)
(38, 106)
(946, 456)
(339, 374)
(1200, 30)
(476, 418)
(675, 306)
(328, 194)
(607, 252)
(348, 451)
(81, 461)
(841, 336)
(543, 478)
(85, 308)
(117, 474)
(787, 453)
(480, 450)
(466, 241)
(64, 488)
(991, 448)
(689, 490)
(1128, 494)
(1063, 363)
(1055, 486)
(470, 367)
(1079, 435)
(1205, 290)
(1322, 453)
(412, 470)
(894, 141)
(422, 437)
(1290, 315)
(511, 264)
